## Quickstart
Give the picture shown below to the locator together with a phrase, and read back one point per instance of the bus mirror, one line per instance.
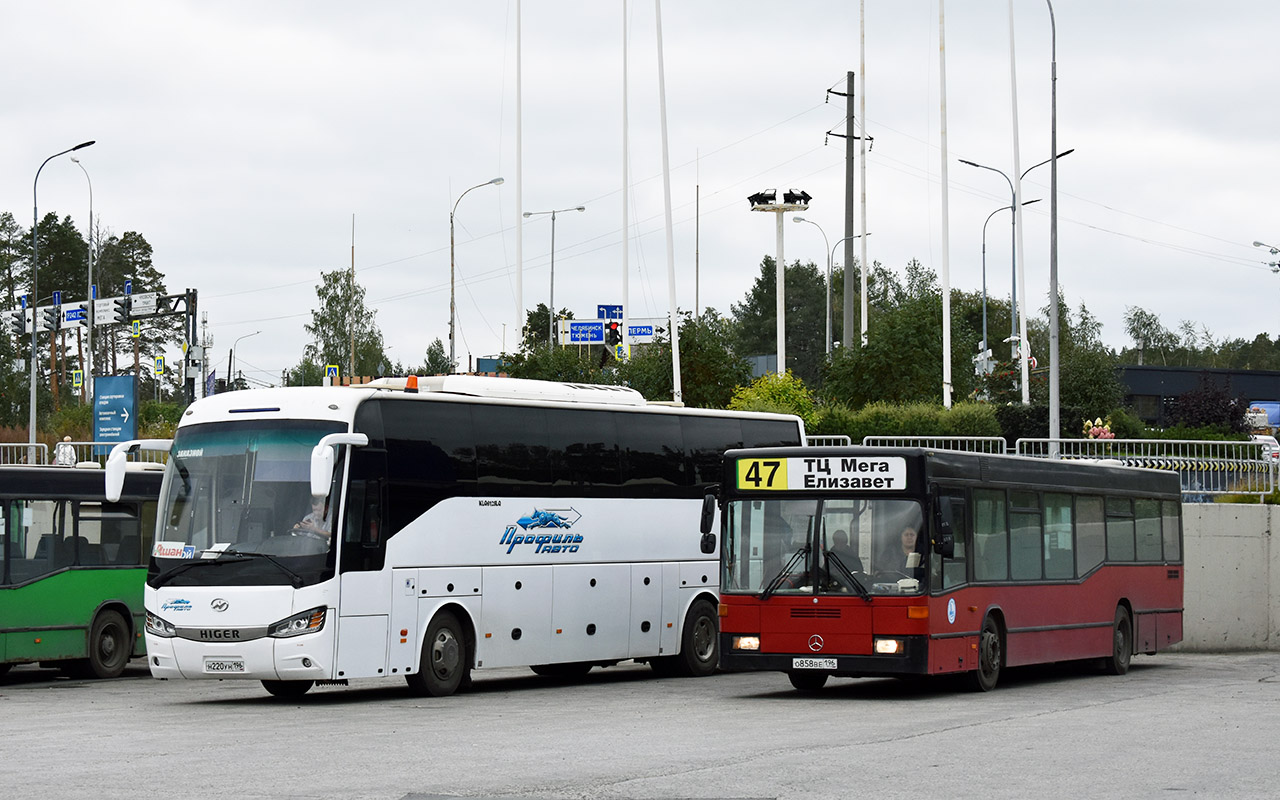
(322, 458)
(708, 512)
(117, 463)
(708, 543)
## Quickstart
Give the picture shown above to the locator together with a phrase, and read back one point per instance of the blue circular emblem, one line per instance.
(951, 611)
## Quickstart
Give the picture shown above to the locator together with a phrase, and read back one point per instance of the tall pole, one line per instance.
(946, 236)
(88, 313)
(35, 293)
(453, 363)
(520, 316)
(780, 304)
(626, 189)
(1024, 347)
(862, 163)
(1054, 386)
(677, 394)
(826, 249)
(551, 312)
(850, 174)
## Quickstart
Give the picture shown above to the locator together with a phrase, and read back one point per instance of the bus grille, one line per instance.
(815, 613)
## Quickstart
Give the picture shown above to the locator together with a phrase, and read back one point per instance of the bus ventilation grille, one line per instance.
(815, 613)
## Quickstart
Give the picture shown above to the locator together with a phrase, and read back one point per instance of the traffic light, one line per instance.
(50, 318)
(613, 334)
(120, 308)
(17, 322)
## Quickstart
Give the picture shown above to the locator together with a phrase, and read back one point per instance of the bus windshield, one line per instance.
(236, 506)
(824, 546)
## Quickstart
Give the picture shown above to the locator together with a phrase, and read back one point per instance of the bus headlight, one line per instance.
(158, 627)
(746, 643)
(889, 647)
(306, 622)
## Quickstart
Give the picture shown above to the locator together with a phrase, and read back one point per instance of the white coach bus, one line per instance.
(313, 535)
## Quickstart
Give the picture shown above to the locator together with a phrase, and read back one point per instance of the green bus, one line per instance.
(72, 568)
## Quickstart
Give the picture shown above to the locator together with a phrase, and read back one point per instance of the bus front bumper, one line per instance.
(913, 660)
(306, 657)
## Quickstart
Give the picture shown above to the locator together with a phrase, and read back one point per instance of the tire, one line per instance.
(4, 669)
(445, 664)
(1121, 644)
(110, 646)
(288, 689)
(990, 657)
(573, 669)
(807, 680)
(700, 641)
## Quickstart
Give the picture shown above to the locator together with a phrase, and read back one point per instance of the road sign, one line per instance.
(128, 287)
(137, 329)
(114, 410)
(609, 312)
(75, 315)
(77, 378)
(331, 371)
(583, 331)
(159, 369)
(143, 304)
(57, 298)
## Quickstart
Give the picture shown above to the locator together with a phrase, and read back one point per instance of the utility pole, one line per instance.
(850, 174)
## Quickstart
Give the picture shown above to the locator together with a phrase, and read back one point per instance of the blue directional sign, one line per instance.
(128, 287)
(639, 330)
(57, 298)
(74, 314)
(114, 411)
(609, 312)
(586, 332)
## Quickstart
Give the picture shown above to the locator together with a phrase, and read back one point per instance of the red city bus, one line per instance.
(857, 562)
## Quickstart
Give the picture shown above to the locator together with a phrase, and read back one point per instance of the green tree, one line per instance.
(546, 363)
(537, 326)
(709, 367)
(755, 318)
(437, 360)
(782, 394)
(343, 330)
(15, 251)
(128, 257)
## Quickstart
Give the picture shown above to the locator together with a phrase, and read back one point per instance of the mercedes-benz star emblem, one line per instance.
(219, 604)
(815, 643)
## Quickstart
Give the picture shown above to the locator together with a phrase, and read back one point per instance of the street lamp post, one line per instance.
(35, 291)
(1013, 202)
(88, 313)
(551, 310)
(453, 364)
(831, 254)
(231, 358)
(984, 267)
(791, 201)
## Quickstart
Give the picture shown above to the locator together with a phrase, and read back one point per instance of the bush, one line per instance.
(1125, 425)
(783, 394)
(971, 419)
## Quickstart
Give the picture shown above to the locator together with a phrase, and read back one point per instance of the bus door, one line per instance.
(366, 591)
(950, 623)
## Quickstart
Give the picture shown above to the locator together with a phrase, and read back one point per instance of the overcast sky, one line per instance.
(242, 138)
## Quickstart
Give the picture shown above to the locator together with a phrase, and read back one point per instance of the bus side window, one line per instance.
(363, 548)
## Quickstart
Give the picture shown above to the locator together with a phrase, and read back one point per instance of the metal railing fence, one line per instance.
(969, 444)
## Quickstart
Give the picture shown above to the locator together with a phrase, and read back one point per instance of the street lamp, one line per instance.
(88, 314)
(35, 269)
(551, 310)
(831, 254)
(791, 201)
(231, 358)
(452, 306)
(1013, 201)
(984, 267)
(1275, 251)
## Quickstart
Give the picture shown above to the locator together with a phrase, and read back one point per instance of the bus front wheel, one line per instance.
(700, 641)
(445, 665)
(1121, 643)
(990, 657)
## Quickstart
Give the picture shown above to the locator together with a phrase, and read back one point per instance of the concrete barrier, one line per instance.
(1231, 593)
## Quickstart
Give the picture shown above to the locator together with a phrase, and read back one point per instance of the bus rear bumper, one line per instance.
(914, 660)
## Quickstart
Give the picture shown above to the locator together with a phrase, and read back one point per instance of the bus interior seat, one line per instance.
(44, 547)
(90, 554)
(130, 551)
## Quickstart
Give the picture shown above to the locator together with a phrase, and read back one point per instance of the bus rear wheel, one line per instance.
(445, 664)
(990, 657)
(1121, 643)
(110, 646)
(287, 689)
(807, 680)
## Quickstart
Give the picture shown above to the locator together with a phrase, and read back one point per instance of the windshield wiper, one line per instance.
(803, 552)
(239, 555)
(856, 585)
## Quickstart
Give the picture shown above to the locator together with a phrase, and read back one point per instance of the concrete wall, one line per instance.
(1231, 594)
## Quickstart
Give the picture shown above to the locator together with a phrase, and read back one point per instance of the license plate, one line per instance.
(224, 665)
(813, 663)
